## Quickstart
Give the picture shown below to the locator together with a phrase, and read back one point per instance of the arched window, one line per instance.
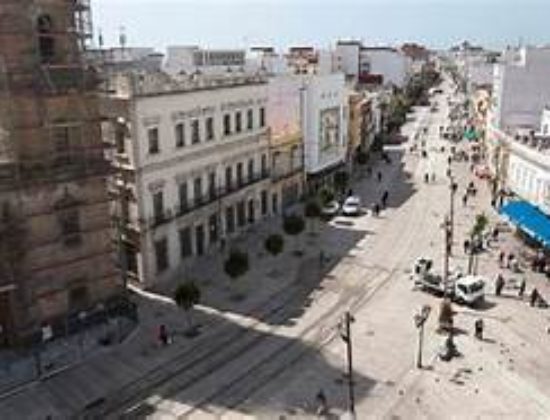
(46, 40)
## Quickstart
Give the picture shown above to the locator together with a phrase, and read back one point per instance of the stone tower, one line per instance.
(56, 249)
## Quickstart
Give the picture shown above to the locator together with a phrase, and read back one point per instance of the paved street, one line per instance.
(269, 356)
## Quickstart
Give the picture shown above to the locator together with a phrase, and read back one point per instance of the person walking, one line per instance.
(465, 200)
(533, 299)
(379, 176)
(478, 327)
(521, 290)
(499, 284)
(385, 199)
(376, 209)
(467, 245)
(163, 335)
(322, 407)
(501, 257)
(510, 259)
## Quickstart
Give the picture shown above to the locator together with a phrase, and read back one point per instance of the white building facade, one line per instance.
(201, 163)
(324, 125)
(390, 63)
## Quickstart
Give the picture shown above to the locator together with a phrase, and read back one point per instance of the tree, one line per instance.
(446, 314)
(236, 265)
(293, 225)
(476, 234)
(312, 211)
(274, 244)
(326, 196)
(341, 179)
(186, 296)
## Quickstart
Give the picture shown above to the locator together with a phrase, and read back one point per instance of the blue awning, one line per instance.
(529, 219)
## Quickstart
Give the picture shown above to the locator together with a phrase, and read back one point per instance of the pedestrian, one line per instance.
(495, 233)
(521, 290)
(499, 284)
(467, 245)
(465, 199)
(501, 257)
(379, 176)
(384, 199)
(321, 400)
(493, 202)
(509, 260)
(449, 160)
(534, 297)
(478, 327)
(376, 209)
(426, 178)
(163, 335)
(350, 192)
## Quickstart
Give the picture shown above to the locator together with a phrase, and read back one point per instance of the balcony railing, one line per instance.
(212, 196)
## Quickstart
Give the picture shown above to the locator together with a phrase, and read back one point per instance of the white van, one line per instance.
(469, 289)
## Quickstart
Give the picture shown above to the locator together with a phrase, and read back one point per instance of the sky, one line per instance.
(283, 23)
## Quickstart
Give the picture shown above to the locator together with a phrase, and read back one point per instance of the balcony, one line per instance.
(218, 194)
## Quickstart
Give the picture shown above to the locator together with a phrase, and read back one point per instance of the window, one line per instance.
(195, 133)
(295, 157)
(186, 247)
(69, 221)
(161, 254)
(230, 219)
(251, 211)
(264, 165)
(263, 204)
(120, 139)
(241, 216)
(227, 124)
(180, 135)
(250, 119)
(239, 174)
(213, 228)
(262, 117)
(229, 178)
(212, 185)
(46, 39)
(238, 122)
(158, 206)
(199, 239)
(275, 203)
(197, 190)
(184, 203)
(250, 170)
(209, 129)
(153, 137)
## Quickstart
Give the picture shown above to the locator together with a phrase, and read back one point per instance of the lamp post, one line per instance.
(345, 334)
(419, 320)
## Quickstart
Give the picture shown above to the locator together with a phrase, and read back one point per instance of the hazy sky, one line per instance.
(280, 23)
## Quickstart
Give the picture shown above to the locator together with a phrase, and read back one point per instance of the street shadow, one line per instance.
(213, 373)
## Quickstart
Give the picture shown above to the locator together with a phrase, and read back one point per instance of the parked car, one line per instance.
(330, 209)
(351, 206)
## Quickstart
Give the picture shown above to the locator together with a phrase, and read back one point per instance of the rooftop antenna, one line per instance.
(122, 37)
(100, 39)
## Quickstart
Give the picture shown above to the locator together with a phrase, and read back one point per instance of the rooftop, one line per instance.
(154, 84)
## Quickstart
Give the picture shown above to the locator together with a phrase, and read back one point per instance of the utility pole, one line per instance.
(446, 251)
(346, 336)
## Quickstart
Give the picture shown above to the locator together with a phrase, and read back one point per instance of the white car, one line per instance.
(351, 206)
(330, 209)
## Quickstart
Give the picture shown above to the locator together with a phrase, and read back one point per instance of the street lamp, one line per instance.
(345, 334)
(419, 320)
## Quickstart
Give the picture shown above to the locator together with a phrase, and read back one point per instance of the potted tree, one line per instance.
(186, 296)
